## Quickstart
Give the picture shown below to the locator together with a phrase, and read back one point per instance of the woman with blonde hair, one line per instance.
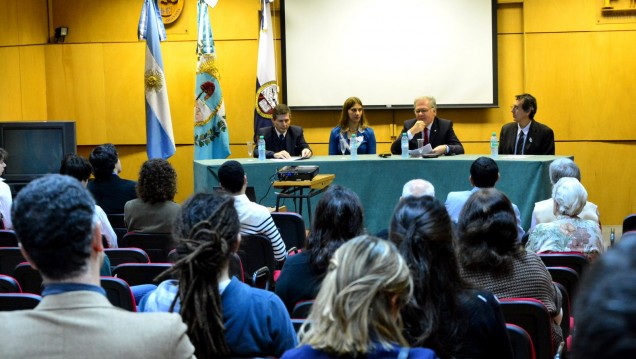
(352, 122)
(357, 311)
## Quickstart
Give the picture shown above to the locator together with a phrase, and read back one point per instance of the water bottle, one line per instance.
(261, 148)
(494, 146)
(612, 237)
(405, 145)
(353, 147)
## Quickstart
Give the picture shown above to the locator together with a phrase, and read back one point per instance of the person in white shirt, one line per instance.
(5, 193)
(255, 219)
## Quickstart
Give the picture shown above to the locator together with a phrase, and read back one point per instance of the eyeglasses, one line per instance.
(421, 110)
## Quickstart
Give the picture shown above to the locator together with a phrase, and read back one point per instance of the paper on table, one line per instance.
(421, 151)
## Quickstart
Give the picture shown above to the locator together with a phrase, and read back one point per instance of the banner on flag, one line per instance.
(266, 84)
(159, 135)
(211, 138)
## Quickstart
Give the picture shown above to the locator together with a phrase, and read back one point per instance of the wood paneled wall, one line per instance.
(581, 72)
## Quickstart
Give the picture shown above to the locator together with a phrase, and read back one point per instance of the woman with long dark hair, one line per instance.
(446, 314)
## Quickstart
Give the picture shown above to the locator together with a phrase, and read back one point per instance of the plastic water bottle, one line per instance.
(494, 146)
(612, 237)
(353, 147)
(261, 148)
(405, 145)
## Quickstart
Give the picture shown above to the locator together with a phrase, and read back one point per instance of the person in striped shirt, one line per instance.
(255, 219)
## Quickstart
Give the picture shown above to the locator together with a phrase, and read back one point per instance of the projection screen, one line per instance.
(389, 52)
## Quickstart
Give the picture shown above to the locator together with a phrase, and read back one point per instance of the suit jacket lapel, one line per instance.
(432, 136)
(531, 137)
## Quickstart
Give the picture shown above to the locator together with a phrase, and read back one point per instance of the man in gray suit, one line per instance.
(59, 234)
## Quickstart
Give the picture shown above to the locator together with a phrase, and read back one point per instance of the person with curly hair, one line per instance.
(225, 317)
(154, 211)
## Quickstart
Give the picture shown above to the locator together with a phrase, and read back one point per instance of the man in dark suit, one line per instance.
(59, 234)
(110, 192)
(282, 140)
(525, 136)
(432, 129)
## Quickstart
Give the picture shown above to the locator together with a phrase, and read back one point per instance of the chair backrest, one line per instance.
(566, 309)
(119, 256)
(575, 260)
(521, 342)
(291, 227)
(301, 309)
(157, 245)
(236, 267)
(118, 293)
(531, 315)
(8, 238)
(568, 277)
(9, 258)
(140, 273)
(256, 252)
(29, 278)
(629, 223)
(9, 284)
(18, 301)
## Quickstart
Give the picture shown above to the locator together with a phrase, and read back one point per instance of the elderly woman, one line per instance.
(357, 311)
(491, 257)
(154, 211)
(569, 233)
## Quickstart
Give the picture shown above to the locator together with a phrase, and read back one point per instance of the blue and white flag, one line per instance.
(211, 139)
(266, 86)
(159, 136)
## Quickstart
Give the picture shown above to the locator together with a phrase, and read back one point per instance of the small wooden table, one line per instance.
(295, 190)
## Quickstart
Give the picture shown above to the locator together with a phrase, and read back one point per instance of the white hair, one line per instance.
(418, 188)
(569, 195)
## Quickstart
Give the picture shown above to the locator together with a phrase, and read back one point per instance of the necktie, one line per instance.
(425, 136)
(519, 148)
(281, 137)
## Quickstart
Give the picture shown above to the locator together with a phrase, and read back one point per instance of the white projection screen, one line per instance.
(389, 52)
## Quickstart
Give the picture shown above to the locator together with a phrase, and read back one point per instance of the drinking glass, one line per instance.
(250, 150)
(343, 146)
(420, 145)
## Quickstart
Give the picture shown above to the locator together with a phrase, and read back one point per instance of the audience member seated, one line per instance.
(224, 316)
(352, 121)
(605, 307)
(154, 211)
(446, 315)
(568, 233)
(57, 228)
(544, 210)
(110, 191)
(255, 219)
(5, 194)
(79, 168)
(416, 188)
(357, 311)
(492, 258)
(484, 173)
(338, 217)
(282, 140)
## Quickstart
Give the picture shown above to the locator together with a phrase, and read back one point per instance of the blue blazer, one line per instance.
(366, 146)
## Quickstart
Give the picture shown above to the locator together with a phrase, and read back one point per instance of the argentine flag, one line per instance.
(159, 136)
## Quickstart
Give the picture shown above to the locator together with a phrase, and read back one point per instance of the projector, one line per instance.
(297, 173)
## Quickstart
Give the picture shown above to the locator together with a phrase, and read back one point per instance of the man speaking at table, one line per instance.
(525, 136)
(432, 129)
(282, 140)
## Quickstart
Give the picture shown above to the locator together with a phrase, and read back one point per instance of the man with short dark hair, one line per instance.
(59, 234)
(282, 140)
(254, 218)
(109, 191)
(525, 136)
(484, 173)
